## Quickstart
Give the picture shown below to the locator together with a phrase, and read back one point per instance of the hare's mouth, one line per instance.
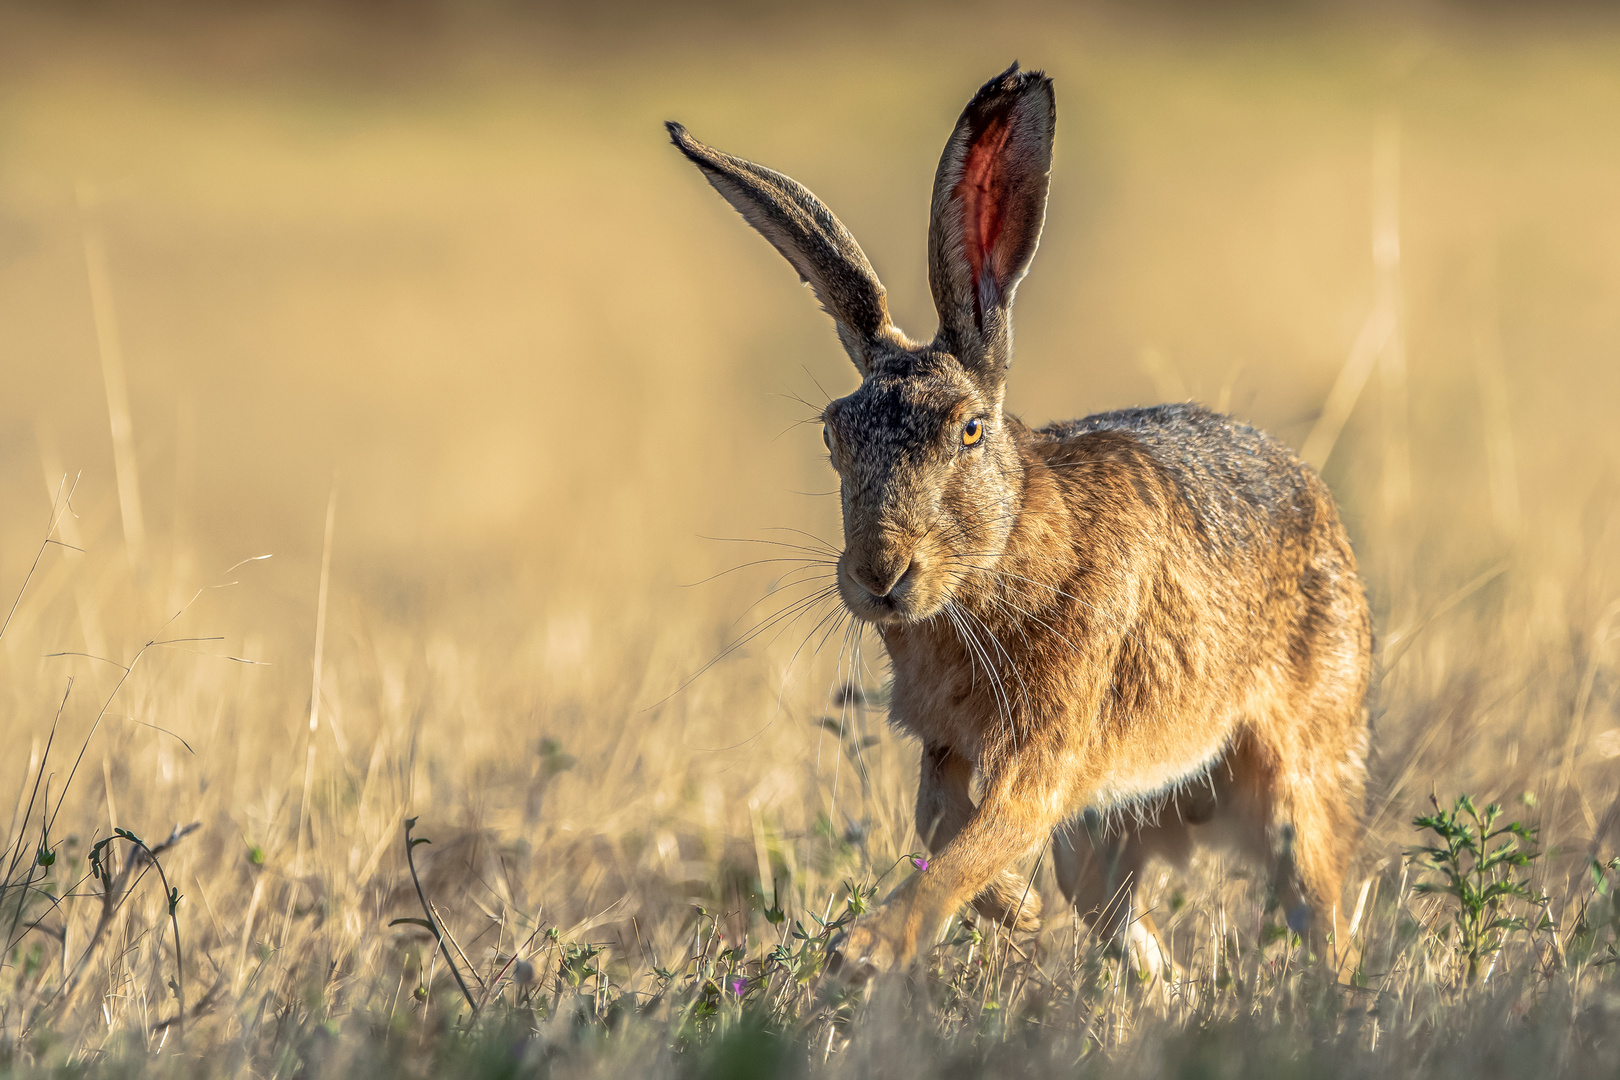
(909, 598)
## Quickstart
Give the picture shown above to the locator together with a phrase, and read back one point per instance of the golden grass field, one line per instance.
(420, 303)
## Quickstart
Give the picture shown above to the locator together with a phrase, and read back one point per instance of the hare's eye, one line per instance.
(826, 435)
(973, 432)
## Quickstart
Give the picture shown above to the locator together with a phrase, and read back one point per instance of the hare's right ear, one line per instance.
(800, 226)
(989, 205)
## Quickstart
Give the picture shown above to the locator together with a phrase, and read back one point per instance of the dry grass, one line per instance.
(459, 269)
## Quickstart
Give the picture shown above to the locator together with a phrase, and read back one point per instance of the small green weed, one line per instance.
(1485, 880)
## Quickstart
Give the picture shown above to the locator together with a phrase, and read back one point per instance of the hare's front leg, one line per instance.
(1023, 801)
(944, 807)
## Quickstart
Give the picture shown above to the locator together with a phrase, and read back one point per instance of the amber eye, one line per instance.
(973, 432)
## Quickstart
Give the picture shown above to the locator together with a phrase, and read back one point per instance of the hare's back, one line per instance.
(1235, 484)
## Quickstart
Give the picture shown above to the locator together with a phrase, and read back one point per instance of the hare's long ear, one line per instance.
(800, 226)
(989, 205)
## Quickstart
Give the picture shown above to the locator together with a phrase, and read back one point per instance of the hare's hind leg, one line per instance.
(944, 805)
(1308, 825)
(1099, 868)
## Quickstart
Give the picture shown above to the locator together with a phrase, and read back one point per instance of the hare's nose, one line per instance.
(880, 579)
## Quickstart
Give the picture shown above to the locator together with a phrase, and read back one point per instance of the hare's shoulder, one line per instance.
(1234, 478)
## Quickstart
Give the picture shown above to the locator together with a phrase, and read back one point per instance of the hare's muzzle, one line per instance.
(880, 586)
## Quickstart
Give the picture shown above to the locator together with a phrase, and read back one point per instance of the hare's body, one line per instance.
(1139, 630)
(1190, 650)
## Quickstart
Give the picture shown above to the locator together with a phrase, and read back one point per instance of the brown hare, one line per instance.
(1141, 630)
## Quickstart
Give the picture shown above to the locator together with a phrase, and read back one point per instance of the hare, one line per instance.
(1141, 630)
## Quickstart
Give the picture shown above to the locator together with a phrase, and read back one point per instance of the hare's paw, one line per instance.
(868, 948)
(1010, 901)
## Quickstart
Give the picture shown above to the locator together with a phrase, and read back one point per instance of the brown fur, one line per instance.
(1140, 630)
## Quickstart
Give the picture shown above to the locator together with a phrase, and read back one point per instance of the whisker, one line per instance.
(816, 419)
(1001, 599)
(782, 587)
(825, 547)
(1023, 688)
(789, 613)
(822, 552)
(1113, 619)
(838, 759)
(823, 390)
(835, 614)
(746, 565)
(854, 677)
(1030, 615)
(997, 690)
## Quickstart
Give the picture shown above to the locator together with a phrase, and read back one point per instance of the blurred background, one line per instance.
(445, 252)
(435, 268)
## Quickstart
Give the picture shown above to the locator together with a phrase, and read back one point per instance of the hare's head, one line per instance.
(930, 476)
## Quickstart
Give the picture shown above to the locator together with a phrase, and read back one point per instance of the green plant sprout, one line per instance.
(1483, 879)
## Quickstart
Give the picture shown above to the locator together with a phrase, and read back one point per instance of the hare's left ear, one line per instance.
(810, 237)
(989, 205)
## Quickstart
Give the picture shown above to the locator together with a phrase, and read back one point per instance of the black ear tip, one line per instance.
(685, 143)
(1024, 81)
(1012, 84)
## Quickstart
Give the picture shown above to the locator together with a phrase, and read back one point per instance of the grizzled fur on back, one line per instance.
(1086, 619)
(1238, 482)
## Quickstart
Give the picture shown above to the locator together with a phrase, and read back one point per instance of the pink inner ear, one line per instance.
(981, 192)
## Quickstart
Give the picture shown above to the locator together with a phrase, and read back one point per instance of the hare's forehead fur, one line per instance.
(906, 409)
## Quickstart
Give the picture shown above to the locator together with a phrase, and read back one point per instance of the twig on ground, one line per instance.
(115, 886)
(429, 923)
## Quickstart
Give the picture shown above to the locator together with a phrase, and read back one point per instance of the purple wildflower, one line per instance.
(919, 862)
(739, 985)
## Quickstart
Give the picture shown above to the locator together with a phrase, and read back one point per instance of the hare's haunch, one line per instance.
(1142, 629)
